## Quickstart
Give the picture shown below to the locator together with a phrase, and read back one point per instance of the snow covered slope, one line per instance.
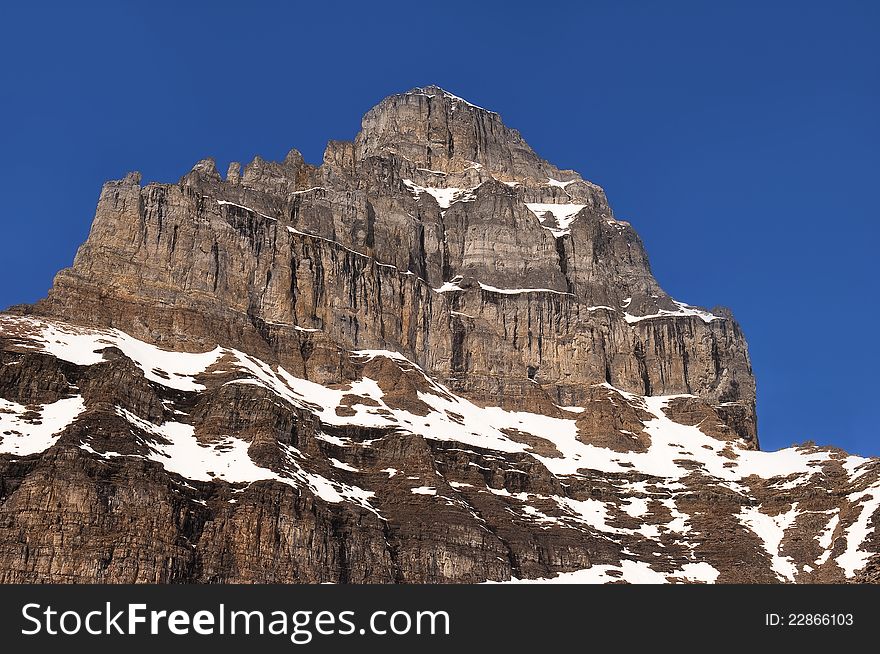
(801, 513)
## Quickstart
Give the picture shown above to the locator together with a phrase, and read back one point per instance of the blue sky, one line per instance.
(740, 139)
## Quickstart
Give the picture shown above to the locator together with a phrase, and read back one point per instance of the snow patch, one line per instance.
(451, 285)
(856, 466)
(23, 436)
(572, 409)
(241, 206)
(771, 530)
(855, 558)
(632, 572)
(342, 466)
(826, 538)
(636, 507)
(683, 310)
(445, 197)
(227, 458)
(424, 490)
(563, 215)
(83, 348)
(517, 291)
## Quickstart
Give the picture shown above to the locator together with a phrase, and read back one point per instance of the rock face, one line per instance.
(433, 358)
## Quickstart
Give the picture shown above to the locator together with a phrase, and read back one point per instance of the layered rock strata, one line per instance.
(433, 358)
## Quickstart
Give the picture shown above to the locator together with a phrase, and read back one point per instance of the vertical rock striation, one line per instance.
(435, 357)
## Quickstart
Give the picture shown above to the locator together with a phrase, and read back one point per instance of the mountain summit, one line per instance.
(440, 131)
(435, 357)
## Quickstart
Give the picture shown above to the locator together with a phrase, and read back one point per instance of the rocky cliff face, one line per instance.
(433, 358)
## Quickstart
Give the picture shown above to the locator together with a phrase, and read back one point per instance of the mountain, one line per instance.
(433, 358)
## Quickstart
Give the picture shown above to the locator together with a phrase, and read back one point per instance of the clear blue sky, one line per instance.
(740, 140)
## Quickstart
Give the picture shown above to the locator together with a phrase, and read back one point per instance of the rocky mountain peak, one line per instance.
(444, 132)
(433, 358)
(434, 91)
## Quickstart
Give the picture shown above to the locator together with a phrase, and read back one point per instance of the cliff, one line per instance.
(433, 358)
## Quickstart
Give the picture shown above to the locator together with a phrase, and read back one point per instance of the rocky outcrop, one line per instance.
(433, 358)
(358, 248)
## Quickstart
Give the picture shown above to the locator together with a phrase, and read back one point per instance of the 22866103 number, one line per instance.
(809, 620)
(820, 619)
